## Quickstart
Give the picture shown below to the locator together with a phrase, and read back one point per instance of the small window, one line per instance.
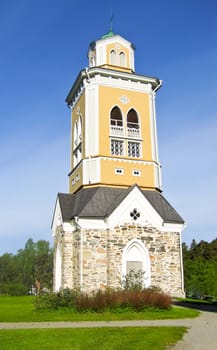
(73, 182)
(113, 57)
(77, 178)
(134, 149)
(122, 59)
(117, 147)
(136, 173)
(119, 171)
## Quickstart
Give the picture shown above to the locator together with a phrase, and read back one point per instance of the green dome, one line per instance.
(108, 35)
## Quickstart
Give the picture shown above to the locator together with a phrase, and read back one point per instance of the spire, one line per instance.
(110, 32)
(111, 20)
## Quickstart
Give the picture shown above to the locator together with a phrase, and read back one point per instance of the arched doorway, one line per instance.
(136, 258)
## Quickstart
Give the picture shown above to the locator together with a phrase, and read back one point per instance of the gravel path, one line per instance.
(201, 335)
(94, 324)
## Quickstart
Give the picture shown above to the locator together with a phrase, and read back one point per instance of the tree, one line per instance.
(31, 264)
(200, 268)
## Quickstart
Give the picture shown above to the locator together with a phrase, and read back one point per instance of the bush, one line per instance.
(99, 301)
(14, 289)
(54, 301)
(133, 280)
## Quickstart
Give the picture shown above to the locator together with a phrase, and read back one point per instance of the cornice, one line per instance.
(85, 76)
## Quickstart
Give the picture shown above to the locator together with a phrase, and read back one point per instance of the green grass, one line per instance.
(159, 338)
(21, 309)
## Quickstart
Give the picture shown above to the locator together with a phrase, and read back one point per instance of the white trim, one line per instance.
(121, 83)
(91, 120)
(91, 170)
(153, 125)
(134, 161)
(157, 176)
(58, 269)
(57, 218)
(181, 264)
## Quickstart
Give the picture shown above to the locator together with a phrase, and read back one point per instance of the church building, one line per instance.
(114, 219)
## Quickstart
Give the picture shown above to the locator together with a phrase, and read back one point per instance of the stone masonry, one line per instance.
(92, 259)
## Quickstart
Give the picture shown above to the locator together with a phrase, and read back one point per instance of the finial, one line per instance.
(111, 20)
(110, 33)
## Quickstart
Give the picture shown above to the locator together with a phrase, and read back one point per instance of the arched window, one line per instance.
(80, 129)
(80, 138)
(77, 149)
(116, 117)
(133, 128)
(75, 134)
(116, 122)
(135, 260)
(122, 59)
(113, 58)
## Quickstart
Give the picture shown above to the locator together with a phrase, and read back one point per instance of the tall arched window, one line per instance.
(136, 259)
(79, 138)
(113, 57)
(77, 145)
(75, 135)
(79, 129)
(116, 122)
(122, 58)
(133, 128)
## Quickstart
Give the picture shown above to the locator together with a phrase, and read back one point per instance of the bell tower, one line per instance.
(113, 124)
(114, 218)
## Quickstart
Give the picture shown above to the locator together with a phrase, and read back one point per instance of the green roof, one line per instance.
(108, 35)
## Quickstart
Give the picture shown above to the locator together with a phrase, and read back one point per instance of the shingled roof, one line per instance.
(101, 201)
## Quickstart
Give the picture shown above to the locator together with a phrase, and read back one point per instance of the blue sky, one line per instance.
(43, 47)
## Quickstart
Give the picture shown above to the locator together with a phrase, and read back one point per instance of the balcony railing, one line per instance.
(116, 130)
(133, 132)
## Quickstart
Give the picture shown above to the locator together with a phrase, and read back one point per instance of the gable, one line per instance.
(135, 209)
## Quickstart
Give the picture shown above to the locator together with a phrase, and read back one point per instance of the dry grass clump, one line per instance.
(114, 299)
(109, 299)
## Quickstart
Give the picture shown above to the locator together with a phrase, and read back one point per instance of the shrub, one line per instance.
(14, 289)
(54, 301)
(101, 300)
(133, 280)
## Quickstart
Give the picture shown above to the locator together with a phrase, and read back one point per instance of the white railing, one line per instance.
(116, 130)
(133, 132)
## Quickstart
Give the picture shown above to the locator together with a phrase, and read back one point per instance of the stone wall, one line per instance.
(92, 259)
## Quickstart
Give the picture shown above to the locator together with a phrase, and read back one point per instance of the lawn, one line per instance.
(159, 338)
(21, 309)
